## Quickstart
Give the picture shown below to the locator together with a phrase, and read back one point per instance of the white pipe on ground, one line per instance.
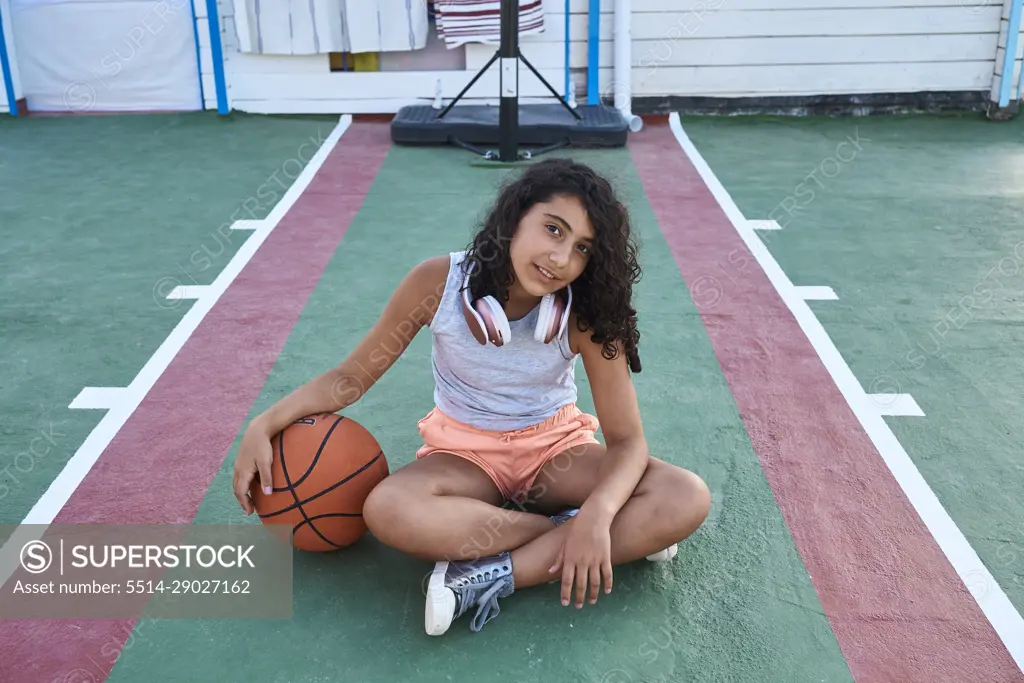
(622, 81)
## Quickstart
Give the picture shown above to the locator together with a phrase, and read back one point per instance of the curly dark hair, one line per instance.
(603, 293)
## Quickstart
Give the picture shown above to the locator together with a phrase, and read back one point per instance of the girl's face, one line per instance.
(552, 246)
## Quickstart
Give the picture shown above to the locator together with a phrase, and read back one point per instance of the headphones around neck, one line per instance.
(487, 321)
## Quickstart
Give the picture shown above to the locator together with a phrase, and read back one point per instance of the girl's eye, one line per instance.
(554, 229)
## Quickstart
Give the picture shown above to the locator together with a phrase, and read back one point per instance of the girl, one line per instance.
(511, 487)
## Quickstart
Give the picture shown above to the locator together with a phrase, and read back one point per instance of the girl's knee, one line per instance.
(696, 491)
(382, 509)
(684, 499)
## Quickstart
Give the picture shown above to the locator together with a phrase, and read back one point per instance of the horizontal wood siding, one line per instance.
(722, 48)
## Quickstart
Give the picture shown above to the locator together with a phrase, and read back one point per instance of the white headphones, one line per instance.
(487, 320)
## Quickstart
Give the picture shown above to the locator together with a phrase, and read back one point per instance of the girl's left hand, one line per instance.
(585, 558)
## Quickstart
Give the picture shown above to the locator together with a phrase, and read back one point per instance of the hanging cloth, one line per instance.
(304, 27)
(479, 21)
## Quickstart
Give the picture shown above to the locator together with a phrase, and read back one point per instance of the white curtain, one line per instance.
(115, 55)
(302, 27)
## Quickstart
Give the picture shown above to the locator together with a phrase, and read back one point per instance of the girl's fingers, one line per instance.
(568, 574)
(595, 583)
(581, 584)
(558, 560)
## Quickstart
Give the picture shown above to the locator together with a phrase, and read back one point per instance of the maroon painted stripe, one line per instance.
(895, 604)
(161, 463)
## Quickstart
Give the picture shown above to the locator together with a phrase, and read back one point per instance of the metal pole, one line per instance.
(508, 112)
(1010, 53)
(5, 66)
(218, 57)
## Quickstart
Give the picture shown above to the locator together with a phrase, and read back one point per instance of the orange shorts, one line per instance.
(513, 458)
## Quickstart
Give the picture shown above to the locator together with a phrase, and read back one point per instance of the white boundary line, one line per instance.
(246, 224)
(1001, 613)
(189, 292)
(78, 466)
(98, 398)
(764, 224)
(813, 293)
(900, 405)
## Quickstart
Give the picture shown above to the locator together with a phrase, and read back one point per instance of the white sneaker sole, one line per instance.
(664, 555)
(440, 607)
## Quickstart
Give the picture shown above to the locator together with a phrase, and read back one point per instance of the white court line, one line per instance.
(991, 598)
(247, 224)
(188, 291)
(815, 293)
(98, 398)
(897, 405)
(758, 224)
(60, 490)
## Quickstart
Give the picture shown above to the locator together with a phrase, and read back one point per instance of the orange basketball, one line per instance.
(324, 467)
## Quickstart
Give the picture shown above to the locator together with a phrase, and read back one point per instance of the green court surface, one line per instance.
(106, 215)
(101, 219)
(658, 621)
(917, 228)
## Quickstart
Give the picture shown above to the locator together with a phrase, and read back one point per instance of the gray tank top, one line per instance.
(496, 388)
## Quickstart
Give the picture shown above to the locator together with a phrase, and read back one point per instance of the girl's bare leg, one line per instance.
(667, 506)
(443, 507)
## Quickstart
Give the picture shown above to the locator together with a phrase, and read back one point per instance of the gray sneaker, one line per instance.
(564, 516)
(455, 587)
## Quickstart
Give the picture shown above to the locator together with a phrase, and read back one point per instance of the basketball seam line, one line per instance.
(317, 456)
(325, 491)
(326, 514)
(291, 487)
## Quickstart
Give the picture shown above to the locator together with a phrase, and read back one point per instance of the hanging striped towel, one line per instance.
(479, 21)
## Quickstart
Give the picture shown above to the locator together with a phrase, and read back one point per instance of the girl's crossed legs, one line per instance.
(446, 508)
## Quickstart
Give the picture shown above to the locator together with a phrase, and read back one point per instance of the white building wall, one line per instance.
(716, 48)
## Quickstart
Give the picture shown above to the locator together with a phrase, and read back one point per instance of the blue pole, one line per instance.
(218, 57)
(5, 64)
(593, 51)
(1009, 56)
(566, 91)
(1020, 85)
(199, 57)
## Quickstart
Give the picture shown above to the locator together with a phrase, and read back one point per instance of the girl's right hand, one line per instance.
(255, 456)
(409, 309)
